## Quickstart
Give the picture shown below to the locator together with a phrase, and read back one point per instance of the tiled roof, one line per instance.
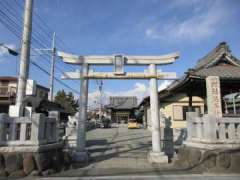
(214, 55)
(8, 78)
(224, 72)
(218, 62)
(122, 103)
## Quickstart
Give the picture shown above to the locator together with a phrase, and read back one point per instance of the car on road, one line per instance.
(132, 124)
(106, 123)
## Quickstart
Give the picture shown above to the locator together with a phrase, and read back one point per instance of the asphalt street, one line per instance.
(121, 153)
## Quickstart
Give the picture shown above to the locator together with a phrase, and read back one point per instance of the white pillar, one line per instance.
(52, 75)
(25, 54)
(81, 154)
(156, 155)
(156, 147)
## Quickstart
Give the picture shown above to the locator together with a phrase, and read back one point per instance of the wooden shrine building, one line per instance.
(191, 88)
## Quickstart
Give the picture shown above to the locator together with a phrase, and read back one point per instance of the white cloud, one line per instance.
(140, 90)
(163, 85)
(203, 23)
(4, 51)
(186, 3)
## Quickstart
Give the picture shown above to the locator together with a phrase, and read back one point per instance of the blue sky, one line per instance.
(133, 27)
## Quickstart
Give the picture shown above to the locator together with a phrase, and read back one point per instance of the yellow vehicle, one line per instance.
(132, 124)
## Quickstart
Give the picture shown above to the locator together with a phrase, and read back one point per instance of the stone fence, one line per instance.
(209, 132)
(27, 131)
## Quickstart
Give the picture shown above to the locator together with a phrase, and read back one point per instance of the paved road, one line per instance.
(119, 147)
(152, 177)
(115, 151)
(120, 153)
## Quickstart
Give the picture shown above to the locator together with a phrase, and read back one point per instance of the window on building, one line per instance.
(179, 112)
(28, 131)
(18, 131)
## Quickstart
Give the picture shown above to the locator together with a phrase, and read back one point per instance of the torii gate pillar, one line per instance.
(81, 154)
(156, 155)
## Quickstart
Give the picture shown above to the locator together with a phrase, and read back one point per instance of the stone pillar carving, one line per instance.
(214, 102)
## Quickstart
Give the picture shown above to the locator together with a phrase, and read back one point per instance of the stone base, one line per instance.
(211, 146)
(18, 164)
(210, 161)
(33, 148)
(80, 156)
(157, 157)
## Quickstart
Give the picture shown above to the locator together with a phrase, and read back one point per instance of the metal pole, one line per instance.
(100, 99)
(51, 80)
(25, 53)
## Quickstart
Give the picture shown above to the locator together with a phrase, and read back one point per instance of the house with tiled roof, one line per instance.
(122, 108)
(189, 92)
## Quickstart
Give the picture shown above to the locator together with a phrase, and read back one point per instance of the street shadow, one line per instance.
(104, 157)
(131, 139)
(182, 137)
(168, 146)
(96, 142)
(134, 134)
(99, 150)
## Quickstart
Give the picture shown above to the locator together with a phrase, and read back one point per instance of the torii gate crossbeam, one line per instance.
(156, 155)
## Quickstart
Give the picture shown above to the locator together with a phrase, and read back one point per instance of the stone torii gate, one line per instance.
(156, 155)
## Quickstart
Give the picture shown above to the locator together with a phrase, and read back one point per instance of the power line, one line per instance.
(39, 22)
(59, 81)
(14, 27)
(35, 39)
(46, 28)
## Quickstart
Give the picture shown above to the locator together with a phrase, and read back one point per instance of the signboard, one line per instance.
(119, 64)
(31, 87)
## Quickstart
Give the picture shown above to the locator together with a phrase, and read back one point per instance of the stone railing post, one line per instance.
(199, 128)
(56, 116)
(23, 132)
(3, 118)
(13, 130)
(190, 117)
(210, 128)
(231, 131)
(38, 128)
(48, 130)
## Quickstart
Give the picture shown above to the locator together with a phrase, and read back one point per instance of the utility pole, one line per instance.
(51, 80)
(100, 86)
(53, 59)
(25, 54)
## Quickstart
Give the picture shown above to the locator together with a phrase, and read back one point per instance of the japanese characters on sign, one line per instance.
(214, 96)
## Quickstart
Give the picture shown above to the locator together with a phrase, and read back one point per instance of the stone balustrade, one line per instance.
(27, 131)
(210, 132)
